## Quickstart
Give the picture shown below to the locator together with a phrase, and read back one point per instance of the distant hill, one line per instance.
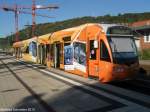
(52, 27)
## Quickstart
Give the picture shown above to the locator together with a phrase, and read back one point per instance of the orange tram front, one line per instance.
(105, 51)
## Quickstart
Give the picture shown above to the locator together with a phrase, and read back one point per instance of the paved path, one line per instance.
(12, 93)
(34, 87)
(145, 62)
(146, 65)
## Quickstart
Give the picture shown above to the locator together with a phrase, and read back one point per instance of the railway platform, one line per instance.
(32, 87)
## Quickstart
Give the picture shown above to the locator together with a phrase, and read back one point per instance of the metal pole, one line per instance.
(33, 18)
(16, 23)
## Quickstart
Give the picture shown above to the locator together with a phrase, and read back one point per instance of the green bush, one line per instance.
(144, 54)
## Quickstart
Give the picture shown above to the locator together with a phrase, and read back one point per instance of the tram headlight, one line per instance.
(118, 69)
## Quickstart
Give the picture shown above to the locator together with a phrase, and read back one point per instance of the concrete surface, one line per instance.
(25, 86)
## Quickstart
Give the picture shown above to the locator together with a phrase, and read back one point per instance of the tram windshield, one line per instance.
(123, 48)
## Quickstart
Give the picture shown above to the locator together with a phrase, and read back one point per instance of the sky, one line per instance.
(68, 9)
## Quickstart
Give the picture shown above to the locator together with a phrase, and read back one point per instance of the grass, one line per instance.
(144, 54)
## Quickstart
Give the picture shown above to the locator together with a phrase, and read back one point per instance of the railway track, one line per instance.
(138, 85)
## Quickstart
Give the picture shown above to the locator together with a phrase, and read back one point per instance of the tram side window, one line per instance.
(92, 50)
(34, 48)
(104, 55)
(47, 48)
(27, 49)
(61, 53)
(52, 52)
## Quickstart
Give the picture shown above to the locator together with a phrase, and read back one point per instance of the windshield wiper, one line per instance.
(116, 51)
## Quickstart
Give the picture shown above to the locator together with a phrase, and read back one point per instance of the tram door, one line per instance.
(57, 55)
(104, 60)
(39, 53)
(47, 53)
(93, 60)
(42, 52)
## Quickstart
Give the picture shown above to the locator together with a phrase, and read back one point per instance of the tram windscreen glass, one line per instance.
(123, 49)
(119, 30)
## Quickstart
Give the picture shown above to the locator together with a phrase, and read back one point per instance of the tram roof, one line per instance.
(62, 33)
(105, 27)
(44, 39)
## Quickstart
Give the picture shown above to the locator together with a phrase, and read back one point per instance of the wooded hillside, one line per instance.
(52, 27)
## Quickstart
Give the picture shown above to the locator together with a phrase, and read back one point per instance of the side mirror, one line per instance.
(95, 43)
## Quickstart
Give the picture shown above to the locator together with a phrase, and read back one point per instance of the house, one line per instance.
(143, 28)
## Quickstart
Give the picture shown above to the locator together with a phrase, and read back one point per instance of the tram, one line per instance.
(105, 51)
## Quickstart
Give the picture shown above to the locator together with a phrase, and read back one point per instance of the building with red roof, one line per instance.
(143, 28)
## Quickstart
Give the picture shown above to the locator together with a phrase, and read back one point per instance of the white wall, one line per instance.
(137, 42)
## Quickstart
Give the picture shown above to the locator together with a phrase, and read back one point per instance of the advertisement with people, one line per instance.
(68, 57)
(80, 56)
(32, 49)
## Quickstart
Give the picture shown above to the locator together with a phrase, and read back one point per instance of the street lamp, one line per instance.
(46, 7)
